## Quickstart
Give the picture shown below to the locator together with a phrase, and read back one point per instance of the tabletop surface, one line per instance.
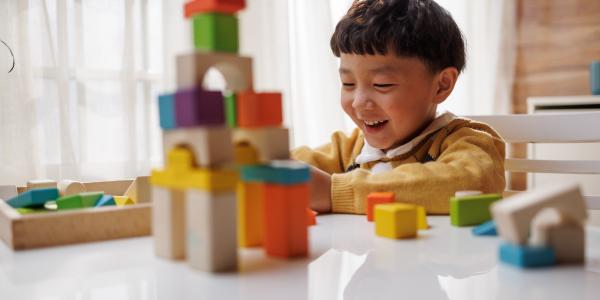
(347, 261)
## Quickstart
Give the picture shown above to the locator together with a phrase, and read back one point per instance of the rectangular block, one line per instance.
(487, 228)
(526, 256)
(194, 7)
(236, 69)
(286, 230)
(396, 220)
(166, 111)
(211, 231)
(250, 214)
(33, 198)
(230, 109)
(197, 107)
(277, 172)
(203, 179)
(211, 146)
(377, 198)
(259, 109)
(552, 228)
(215, 32)
(41, 184)
(471, 210)
(271, 143)
(513, 215)
(169, 223)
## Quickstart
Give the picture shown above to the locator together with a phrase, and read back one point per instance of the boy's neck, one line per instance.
(416, 133)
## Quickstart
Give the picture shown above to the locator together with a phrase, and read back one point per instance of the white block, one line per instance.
(168, 222)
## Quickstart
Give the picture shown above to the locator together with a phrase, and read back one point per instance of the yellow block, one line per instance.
(421, 218)
(123, 200)
(396, 220)
(250, 214)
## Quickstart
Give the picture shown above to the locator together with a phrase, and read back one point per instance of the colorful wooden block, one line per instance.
(169, 223)
(487, 228)
(526, 256)
(552, 228)
(194, 7)
(33, 198)
(215, 32)
(211, 230)
(271, 143)
(230, 109)
(286, 229)
(259, 109)
(245, 154)
(278, 172)
(71, 187)
(123, 200)
(377, 198)
(422, 218)
(81, 200)
(236, 69)
(311, 217)
(471, 210)
(8, 191)
(139, 191)
(513, 215)
(197, 107)
(106, 200)
(41, 184)
(211, 146)
(250, 214)
(166, 111)
(396, 220)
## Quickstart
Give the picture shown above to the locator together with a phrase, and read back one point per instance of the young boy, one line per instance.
(399, 59)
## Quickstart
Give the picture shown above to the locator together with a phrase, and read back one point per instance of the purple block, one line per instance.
(197, 107)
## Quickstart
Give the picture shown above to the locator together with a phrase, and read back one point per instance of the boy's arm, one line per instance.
(470, 160)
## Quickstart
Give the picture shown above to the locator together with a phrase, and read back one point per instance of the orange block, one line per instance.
(311, 217)
(220, 6)
(258, 109)
(377, 198)
(285, 227)
(250, 214)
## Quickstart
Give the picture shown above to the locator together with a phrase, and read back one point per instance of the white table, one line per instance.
(347, 261)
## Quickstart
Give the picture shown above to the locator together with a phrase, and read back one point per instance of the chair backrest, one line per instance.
(549, 128)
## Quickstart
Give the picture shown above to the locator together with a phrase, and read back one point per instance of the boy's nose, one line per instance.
(362, 100)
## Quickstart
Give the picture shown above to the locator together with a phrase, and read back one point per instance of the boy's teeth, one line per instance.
(371, 123)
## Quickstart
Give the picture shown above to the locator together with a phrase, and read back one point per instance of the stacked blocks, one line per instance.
(472, 209)
(396, 220)
(377, 198)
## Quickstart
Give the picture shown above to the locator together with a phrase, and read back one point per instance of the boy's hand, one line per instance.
(320, 190)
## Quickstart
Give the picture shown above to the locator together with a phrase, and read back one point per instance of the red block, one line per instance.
(258, 109)
(220, 6)
(377, 198)
(311, 217)
(285, 227)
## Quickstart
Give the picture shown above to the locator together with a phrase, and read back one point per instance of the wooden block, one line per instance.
(168, 223)
(194, 7)
(552, 228)
(259, 109)
(33, 198)
(487, 228)
(215, 32)
(271, 143)
(224, 179)
(81, 200)
(422, 218)
(526, 256)
(70, 187)
(211, 146)
(140, 191)
(236, 69)
(197, 107)
(311, 217)
(377, 198)
(513, 215)
(471, 210)
(286, 229)
(106, 200)
(41, 184)
(123, 200)
(8, 191)
(245, 154)
(396, 220)
(250, 214)
(166, 111)
(230, 109)
(211, 230)
(277, 172)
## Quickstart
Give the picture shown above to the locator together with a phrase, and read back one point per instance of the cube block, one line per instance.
(471, 210)
(33, 198)
(210, 146)
(526, 256)
(277, 172)
(250, 214)
(377, 198)
(169, 223)
(197, 107)
(215, 32)
(259, 109)
(194, 7)
(396, 220)
(487, 228)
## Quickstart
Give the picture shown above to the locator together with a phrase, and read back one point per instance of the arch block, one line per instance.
(211, 146)
(237, 70)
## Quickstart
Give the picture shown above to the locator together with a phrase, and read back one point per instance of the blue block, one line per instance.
(33, 198)
(286, 172)
(166, 111)
(106, 200)
(487, 228)
(527, 256)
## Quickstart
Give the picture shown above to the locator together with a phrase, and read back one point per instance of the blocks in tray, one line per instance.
(215, 32)
(82, 200)
(106, 200)
(471, 210)
(194, 7)
(396, 220)
(377, 198)
(258, 109)
(33, 198)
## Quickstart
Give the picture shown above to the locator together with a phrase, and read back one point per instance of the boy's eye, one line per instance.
(346, 84)
(384, 85)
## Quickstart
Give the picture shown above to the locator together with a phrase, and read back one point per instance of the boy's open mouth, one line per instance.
(375, 124)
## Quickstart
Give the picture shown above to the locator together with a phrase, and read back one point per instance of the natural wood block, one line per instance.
(71, 187)
(194, 7)
(236, 69)
(552, 228)
(215, 32)
(259, 109)
(211, 146)
(41, 183)
(140, 190)
(271, 143)
(513, 215)
(396, 220)
(250, 214)
(377, 198)
(168, 223)
(115, 187)
(211, 230)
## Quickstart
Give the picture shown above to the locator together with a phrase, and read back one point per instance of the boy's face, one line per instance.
(390, 98)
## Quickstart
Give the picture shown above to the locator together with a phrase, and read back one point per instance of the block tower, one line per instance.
(202, 210)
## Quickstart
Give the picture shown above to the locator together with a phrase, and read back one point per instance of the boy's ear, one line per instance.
(445, 81)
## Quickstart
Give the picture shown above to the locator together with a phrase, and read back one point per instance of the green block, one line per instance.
(471, 210)
(216, 32)
(230, 111)
(81, 200)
